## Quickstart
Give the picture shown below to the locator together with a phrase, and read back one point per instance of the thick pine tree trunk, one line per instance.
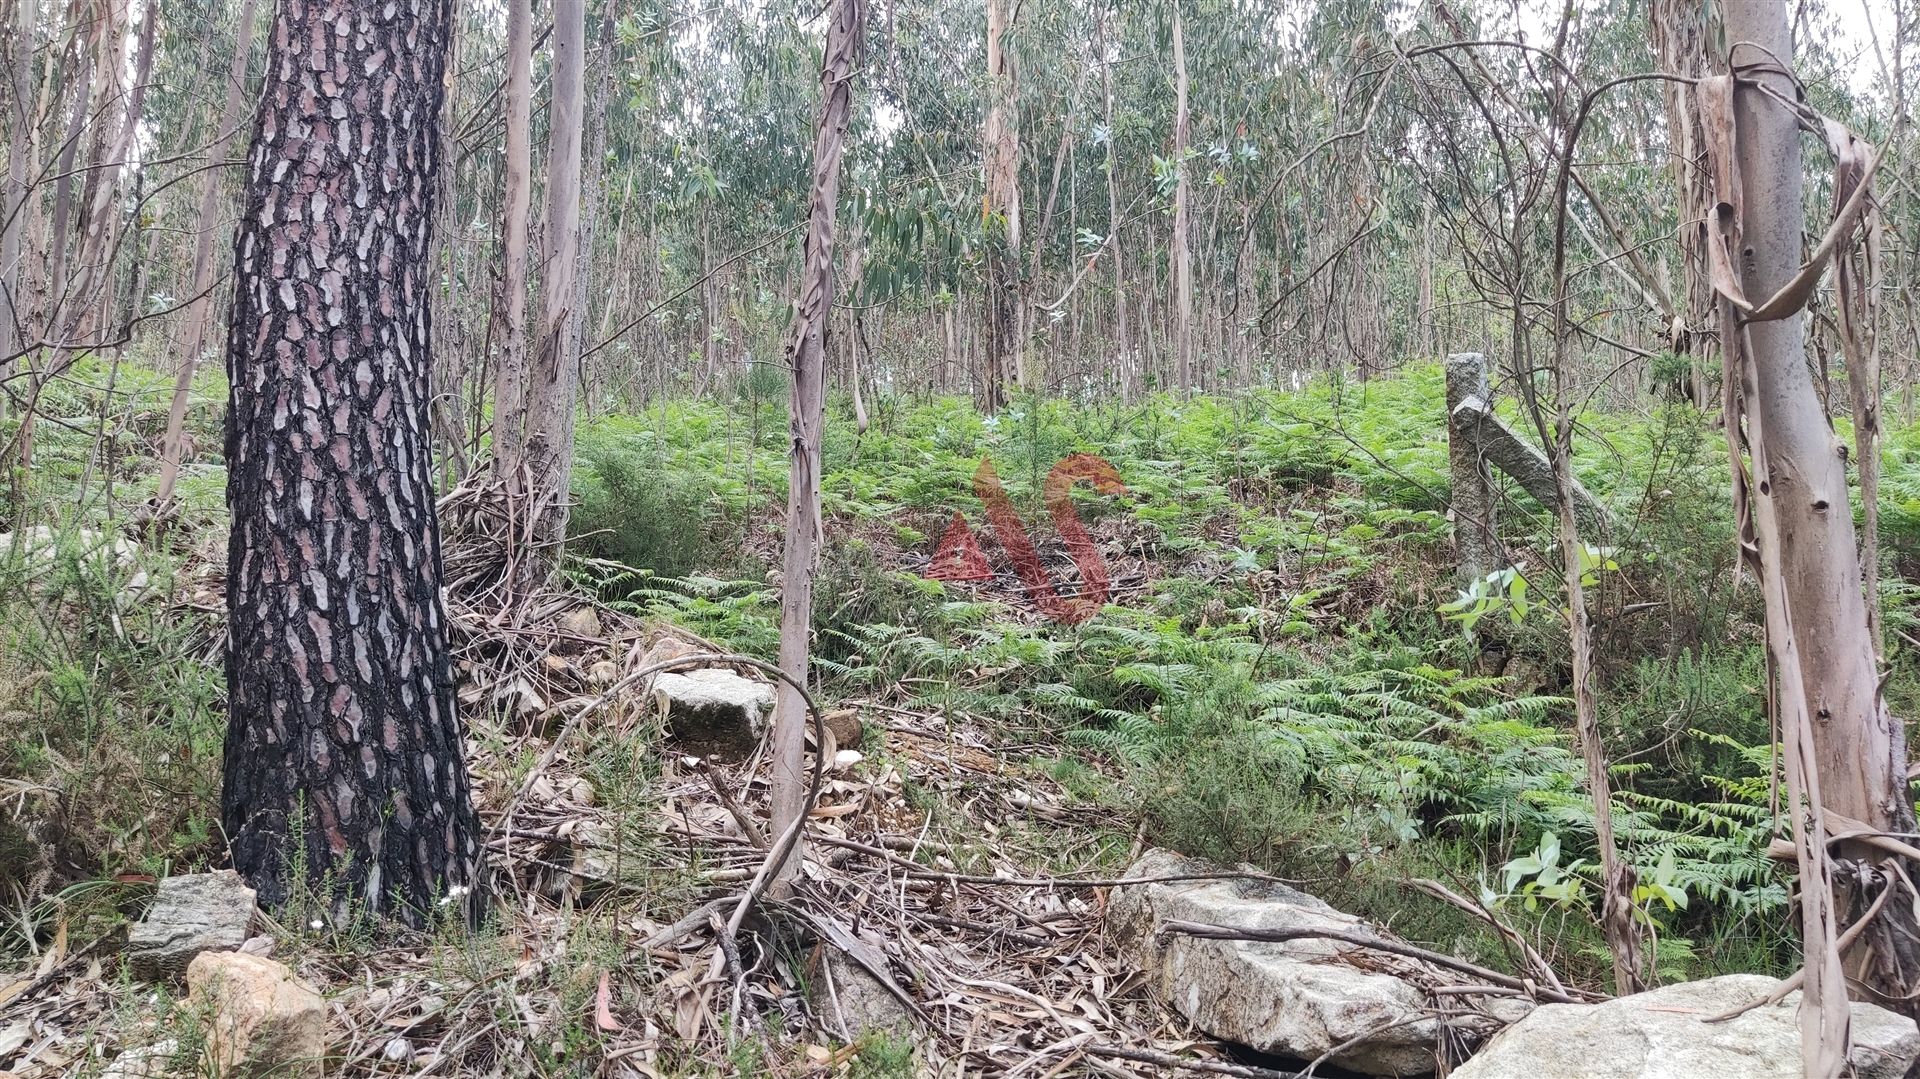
(342, 734)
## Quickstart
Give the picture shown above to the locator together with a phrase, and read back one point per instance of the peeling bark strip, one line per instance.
(341, 718)
(1845, 752)
(806, 354)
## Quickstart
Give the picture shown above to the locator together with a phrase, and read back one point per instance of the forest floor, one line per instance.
(938, 854)
(1275, 678)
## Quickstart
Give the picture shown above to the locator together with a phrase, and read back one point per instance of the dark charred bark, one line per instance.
(342, 731)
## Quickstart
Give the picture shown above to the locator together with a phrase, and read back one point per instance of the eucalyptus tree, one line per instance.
(1845, 751)
(553, 379)
(806, 353)
(1680, 34)
(510, 376)
(85, 40)
(101, 230)
(20, 124)
(1126, 380)
(1180, 265)
(199, 297)
(1000, 210)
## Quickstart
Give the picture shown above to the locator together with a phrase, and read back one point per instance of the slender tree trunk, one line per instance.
(81, 94)
(1617, 880)
(510, 377)
(806, 355)
(201, 309)
(343, 735)
(592, 179)
(1679, 33)
(1423, 317)
(1833, 716)
(704, 373)
(13, 330)
(1181, 260)
(951, 355)
(1006, 307)
(1129, 376)
(555, 377)
(78, 91)
(1061, 159)
(72, 298)
(456, 358)
(103, 218)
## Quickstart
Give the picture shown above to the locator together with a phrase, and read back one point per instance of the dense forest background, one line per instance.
(1339, 195)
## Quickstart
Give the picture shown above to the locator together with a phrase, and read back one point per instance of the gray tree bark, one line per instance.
(14, 206)
(200, 311)
(92, 293)
(1180, 259)
(80, 91)
(510, 377)
(1679, 34)
(554, 381)
(1128, 374)
(1476, 539)
(806, 355)
(1804, 534)
(1480, 433)
(1005, 301)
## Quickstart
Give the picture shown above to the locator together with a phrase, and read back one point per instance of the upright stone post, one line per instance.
(1475, 541)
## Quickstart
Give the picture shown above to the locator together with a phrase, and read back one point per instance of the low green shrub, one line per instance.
(638, 508)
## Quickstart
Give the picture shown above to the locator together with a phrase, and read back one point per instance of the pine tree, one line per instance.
(342, 731)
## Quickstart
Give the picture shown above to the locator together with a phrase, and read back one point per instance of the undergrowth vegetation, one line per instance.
(1274, 677)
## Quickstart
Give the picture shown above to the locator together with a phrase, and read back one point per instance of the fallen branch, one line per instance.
(748, 826)
(1378, 944)
(917, 871)
(1793, 981)
(1170, 1060)
(1535, 961)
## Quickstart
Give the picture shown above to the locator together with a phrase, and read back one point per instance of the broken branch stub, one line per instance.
(1476, 540)
(1478, 438)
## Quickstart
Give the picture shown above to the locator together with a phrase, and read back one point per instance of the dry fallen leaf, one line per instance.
(603, 1006)
(57, 951)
